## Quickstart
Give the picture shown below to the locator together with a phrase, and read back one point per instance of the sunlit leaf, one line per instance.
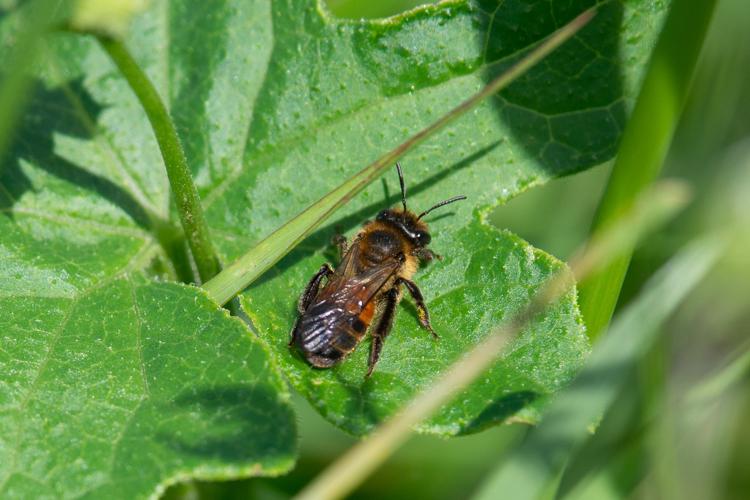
(129, 386)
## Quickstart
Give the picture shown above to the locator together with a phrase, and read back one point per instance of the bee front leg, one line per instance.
(383, 328)
(340, 241)
(416, 294)
(426, 255)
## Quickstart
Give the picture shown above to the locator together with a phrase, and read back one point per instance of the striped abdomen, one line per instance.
(326, 332)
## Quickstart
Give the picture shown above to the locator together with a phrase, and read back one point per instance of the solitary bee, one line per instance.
(381, 259)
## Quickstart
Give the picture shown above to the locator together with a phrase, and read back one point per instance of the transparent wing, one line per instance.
(352, 288)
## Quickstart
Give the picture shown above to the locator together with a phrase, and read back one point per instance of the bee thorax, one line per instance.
(381, 245)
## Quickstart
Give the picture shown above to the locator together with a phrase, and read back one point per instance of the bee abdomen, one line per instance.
(345, 338)
(327, 334)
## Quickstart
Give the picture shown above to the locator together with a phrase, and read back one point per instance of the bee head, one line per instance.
(407, 223)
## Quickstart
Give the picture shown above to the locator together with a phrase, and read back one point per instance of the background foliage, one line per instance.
(81, 120)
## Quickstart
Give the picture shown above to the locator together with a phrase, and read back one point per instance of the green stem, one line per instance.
(645, 143)
(172, 241)
(186, 195)
(265, 254)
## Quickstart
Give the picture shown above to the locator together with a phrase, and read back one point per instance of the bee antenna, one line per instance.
(441, 204)
(403, 187)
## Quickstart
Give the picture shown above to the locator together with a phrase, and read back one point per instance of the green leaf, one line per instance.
(130, 386)
(337, 94)
(112, 386)
(486, 275)
(390, 79)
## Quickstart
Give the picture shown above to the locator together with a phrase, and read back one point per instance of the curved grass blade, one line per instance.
(645, 143)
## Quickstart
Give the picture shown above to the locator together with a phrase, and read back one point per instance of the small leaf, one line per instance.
(485, 276)
(131, 386)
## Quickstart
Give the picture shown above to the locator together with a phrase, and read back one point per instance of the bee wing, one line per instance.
(347, 268)
(362, 287)
(353, 288)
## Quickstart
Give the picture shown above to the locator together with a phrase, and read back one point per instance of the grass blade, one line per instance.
(645, 142)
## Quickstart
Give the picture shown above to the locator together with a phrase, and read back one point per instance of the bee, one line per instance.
(381, 259)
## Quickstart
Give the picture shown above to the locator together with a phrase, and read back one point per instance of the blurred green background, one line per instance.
(670, 434)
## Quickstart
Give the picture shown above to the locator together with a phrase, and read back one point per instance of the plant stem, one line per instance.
(265, 254)
(645, 143)
(186, 195)
(172, 241)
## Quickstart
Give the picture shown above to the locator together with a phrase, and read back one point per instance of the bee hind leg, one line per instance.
(293, 335)
(383, 328)
(311, 290)
(416, 294)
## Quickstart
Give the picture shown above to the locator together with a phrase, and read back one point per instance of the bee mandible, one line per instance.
(381, 259)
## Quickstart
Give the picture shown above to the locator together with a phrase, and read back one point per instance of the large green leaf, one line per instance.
(337, 94)
(485, 277)
(125, 388)
(110, 385)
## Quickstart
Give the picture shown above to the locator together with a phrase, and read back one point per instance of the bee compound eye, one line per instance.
(382, 215)
(424, 238)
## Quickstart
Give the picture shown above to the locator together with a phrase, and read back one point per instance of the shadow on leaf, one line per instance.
(67, 110)
(500, 410)
(567, 112)
(242, 425)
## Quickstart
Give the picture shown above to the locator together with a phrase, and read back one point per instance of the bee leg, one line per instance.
(426, 255)
(340, 241)
(383, 329)
(293, 335)
(416, 294)
(311, 291)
